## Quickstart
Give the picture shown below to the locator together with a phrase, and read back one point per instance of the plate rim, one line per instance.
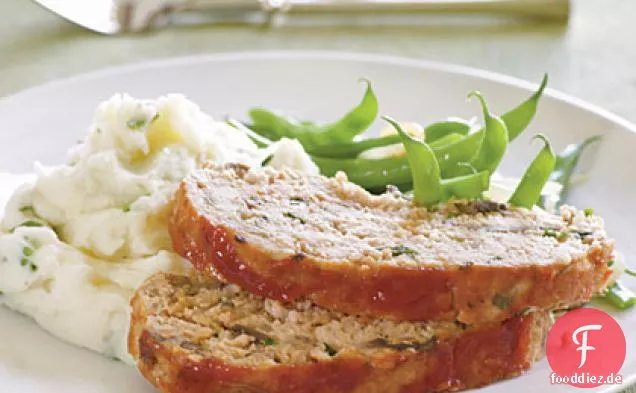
(368, 57)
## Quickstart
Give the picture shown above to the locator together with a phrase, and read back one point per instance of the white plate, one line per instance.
(41, 123)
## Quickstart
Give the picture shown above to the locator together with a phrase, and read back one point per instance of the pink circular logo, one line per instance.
(586, 348)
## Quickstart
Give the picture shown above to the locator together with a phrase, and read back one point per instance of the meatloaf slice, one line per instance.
(289, 236)
(198, 335)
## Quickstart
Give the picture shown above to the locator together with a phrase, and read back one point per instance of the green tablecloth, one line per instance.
(593, 58)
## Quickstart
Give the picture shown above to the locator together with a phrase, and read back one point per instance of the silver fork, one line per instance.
(114, 17)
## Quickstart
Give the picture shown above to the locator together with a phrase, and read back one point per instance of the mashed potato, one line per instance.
(79, 238)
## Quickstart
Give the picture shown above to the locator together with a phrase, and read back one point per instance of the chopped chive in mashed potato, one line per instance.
(77, 239)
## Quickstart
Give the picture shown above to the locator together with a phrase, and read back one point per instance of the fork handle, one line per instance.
(557, 10)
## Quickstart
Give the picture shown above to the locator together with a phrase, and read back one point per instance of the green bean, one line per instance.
(271, 125)
(356, 121)
(319, 143)
(566, 163)
(449, 156)
(328, 150)
(620, 296)
(259, 140)
(351, 149)
(494, 142)
(466, 187)
(536, 176)
(374, 175)
(519, 118)
(516, 121)
(426, 175)
(438, 130)
(445, 140)
(426, 182)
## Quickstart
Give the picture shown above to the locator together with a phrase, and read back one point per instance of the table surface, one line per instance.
(593, 57)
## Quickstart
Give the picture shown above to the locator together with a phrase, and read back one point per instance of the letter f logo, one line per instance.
(583, 344)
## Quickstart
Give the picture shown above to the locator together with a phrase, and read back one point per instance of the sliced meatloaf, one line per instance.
(198, 335)
(289, 236)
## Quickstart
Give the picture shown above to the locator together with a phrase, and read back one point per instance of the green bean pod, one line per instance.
(427, 184)
(351, 149)
(620, 296)
(259, 140)
(440, 129)
(272, 125)
(328, 150)
(536, 176)
(519, 118)
(516, 121)
(449, 156)
(494, 142)
(374, 175)
(355, 122)
(566, 163)
(466, 187)
(445, 141)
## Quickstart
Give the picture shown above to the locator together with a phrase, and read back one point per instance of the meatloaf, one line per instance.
(291, 236)
(198, 335)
